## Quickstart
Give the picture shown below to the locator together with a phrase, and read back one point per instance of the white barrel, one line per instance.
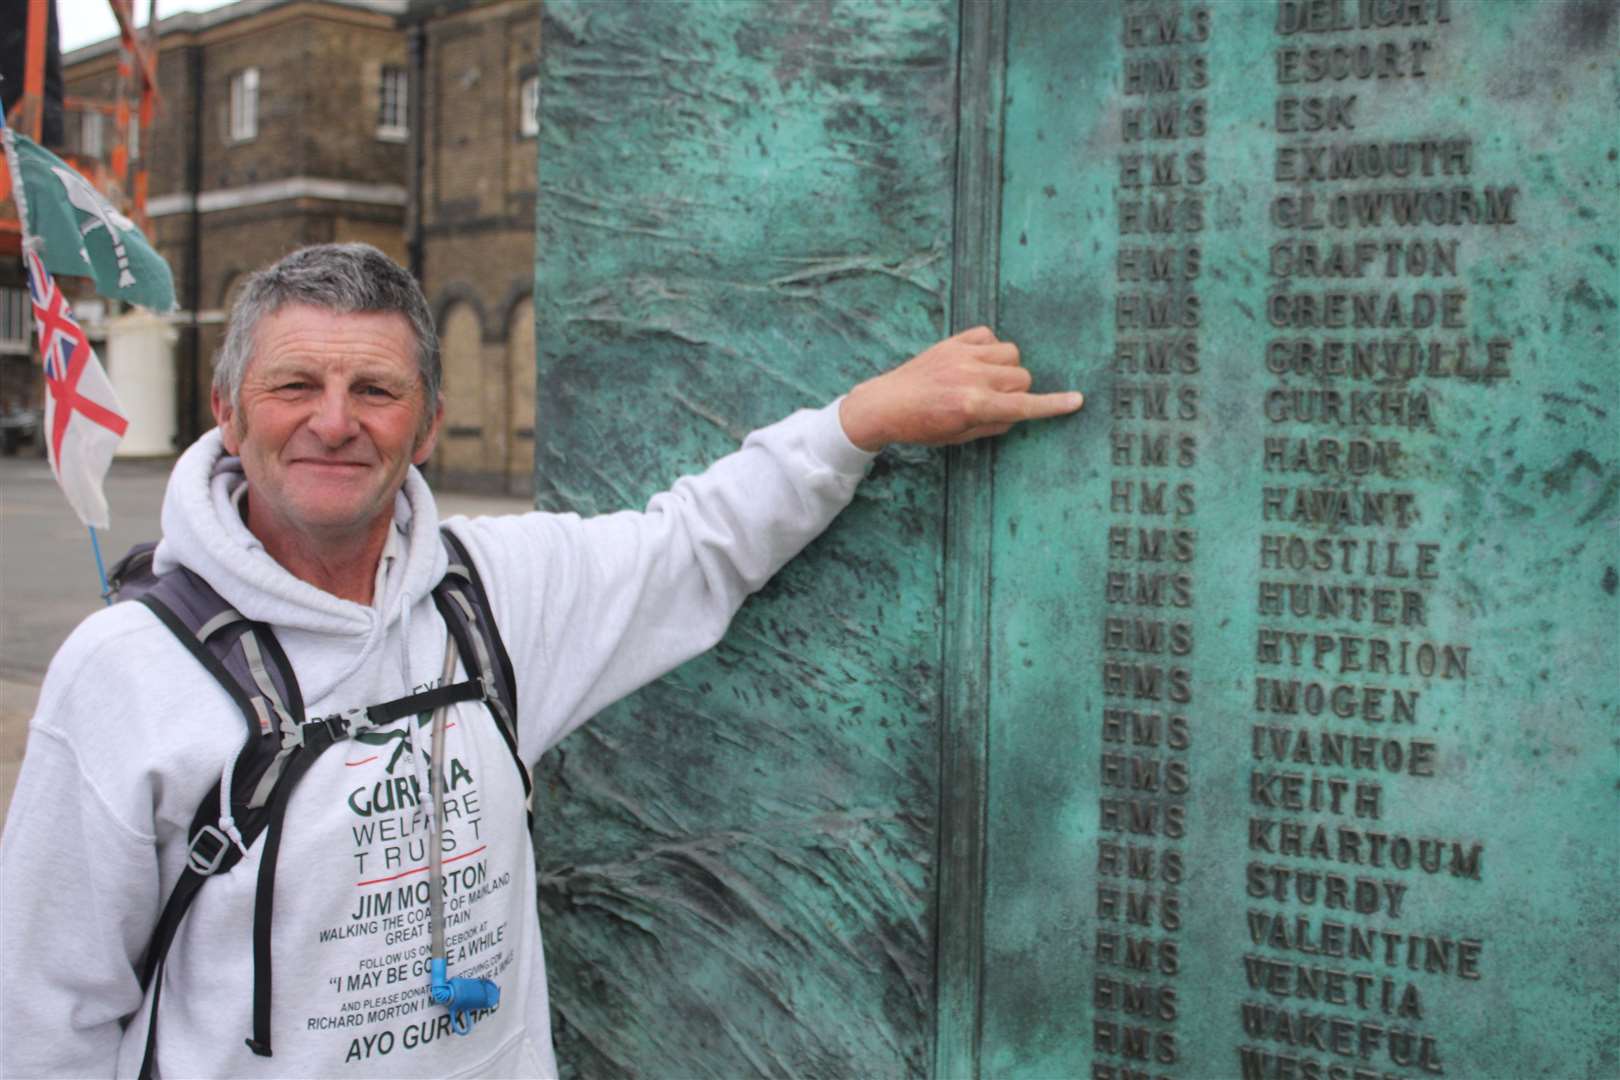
(141, 365)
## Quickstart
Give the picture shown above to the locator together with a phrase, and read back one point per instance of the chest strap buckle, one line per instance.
(206, 851)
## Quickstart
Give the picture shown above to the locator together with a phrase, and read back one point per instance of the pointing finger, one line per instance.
(1011, 408)
(1040, 406)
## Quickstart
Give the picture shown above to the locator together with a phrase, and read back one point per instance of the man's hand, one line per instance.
(965, 387)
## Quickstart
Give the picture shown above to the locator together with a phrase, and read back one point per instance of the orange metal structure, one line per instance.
(118, 175)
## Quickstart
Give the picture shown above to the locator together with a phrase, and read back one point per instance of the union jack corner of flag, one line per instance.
(68, 361)
(59, 333)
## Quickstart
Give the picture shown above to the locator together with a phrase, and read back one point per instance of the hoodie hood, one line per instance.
(203, 530)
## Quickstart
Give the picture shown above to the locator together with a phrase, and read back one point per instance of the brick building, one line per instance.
(472, 227)
(408, 124)
(271, 133)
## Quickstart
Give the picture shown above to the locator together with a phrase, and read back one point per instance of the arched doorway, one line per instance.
(520, 369)
(461, 440)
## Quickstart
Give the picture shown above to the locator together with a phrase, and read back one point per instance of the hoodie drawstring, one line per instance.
(465, 998)
(422, 813)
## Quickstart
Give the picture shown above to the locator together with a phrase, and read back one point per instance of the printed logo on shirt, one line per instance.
(375, 961)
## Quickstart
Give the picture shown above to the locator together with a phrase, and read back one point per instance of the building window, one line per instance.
(392, 104)
(132, 136)
(16, 333)
(529, 107)
(245, 104)
(90, 133)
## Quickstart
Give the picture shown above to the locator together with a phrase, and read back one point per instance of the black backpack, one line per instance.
(282, 743)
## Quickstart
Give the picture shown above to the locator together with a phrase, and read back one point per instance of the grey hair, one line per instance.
(343, 278)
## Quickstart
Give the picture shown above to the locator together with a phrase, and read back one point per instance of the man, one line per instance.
(302, 510)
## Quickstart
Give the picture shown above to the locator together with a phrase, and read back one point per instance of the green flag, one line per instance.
(82, 234)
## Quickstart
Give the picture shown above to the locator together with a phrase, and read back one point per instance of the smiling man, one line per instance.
(326, 421)
(327, 609)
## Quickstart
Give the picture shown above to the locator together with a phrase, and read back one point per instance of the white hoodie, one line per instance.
(131, 733)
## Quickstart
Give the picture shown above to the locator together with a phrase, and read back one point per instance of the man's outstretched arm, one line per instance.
(603, 605)
(963, 388)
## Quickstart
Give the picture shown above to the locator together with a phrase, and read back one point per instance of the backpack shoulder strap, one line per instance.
(465, 607)
(243, 656)
(247, 661)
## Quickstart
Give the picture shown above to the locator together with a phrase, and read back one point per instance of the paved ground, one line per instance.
(48, 578)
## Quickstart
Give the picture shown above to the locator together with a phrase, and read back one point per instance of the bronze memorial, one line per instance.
(1261, 720)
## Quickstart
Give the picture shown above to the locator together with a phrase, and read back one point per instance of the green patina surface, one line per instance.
(747, 207)
(1512, 480)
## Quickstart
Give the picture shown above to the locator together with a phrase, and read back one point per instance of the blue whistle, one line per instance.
(461, 996)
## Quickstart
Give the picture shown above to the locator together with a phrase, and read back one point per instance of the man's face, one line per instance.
(332, 411)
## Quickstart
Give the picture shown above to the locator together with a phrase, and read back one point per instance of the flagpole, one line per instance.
(101, 567)
(19, 197)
